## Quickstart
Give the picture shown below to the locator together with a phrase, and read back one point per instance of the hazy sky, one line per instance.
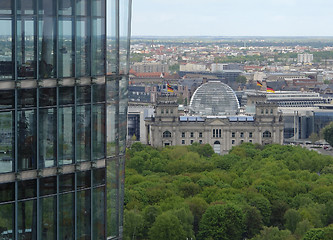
(232, 18)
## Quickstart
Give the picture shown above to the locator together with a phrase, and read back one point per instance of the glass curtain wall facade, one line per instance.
(63, 105)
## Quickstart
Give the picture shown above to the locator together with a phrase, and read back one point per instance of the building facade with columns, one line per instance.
(222, 132)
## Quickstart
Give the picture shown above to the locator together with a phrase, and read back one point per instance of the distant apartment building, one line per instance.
(150, 67)
(193, 67)
(219, 67)
(305, 58)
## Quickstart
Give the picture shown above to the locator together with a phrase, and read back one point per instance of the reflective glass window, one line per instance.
(113, 200)
(81, 7)
(66, 7)
(47, 39)
(47, 137)
(47, 186)
(82, 65)
(123, 103)
(7, 221)
(27, 220)
(98, 44)
(27, 157)
(26, 54)
(83, 94)
(48, 221)
(47, 97)
(98, 131)
(6, 141)
(83, 147)
(26, 98)
(98, 8)
(112, 117)
(66, 216)
(7, 191)
(6, 61)
(98, 93)
(99, 176)
(7, 99)
(5, 7)
(83, 215)
(66, 135)
(66, 182)
(66, 95)
(26, 6)
(83, 179)
(66, 46)
(27, 189)
(99, 213)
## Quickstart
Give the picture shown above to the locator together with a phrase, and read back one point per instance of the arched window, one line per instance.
(267, 134)
(167, 134)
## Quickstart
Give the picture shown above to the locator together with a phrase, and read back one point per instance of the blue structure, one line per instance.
(63, 111)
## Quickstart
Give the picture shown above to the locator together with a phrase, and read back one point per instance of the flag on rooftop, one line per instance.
(170, 89)
(259, 84)
(269, 89)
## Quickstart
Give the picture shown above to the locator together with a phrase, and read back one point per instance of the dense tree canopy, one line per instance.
(328, 133)
(254, 192)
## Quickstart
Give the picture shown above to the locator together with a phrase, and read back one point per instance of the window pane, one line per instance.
(66, 58)
(27, 189)
(66, 182)
(98, 44)
(83, 179)
(7, 192)
(26, 6)
(99, 176)
(6, 141)
(26, 59)
(47, 137)
(66, 135)
(27, 139)
(47, 39)
(83, 133)
(47, 186)
(27, 219)
(7, 221)
(83, 94)
(6, 61)
(5, 7)
(98, 93)
(26, 98)
(83, 215)
(82, 47)
(98, 8)
(112, 117)
(112, 202)
(99, 213)
(66, 216)
(66, 95)
(66, 7)
(98, 131)
(48, 220)
(47, 97)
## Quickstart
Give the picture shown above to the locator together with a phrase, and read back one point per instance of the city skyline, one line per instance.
(232, 18)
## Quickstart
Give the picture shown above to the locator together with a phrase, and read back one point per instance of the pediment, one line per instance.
(216, 122)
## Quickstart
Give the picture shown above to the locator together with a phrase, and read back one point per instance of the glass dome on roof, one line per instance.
(214, 99)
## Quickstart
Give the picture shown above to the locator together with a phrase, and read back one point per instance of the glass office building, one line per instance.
(63, 106)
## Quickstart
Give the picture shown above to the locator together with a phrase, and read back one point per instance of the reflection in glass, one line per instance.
(6, 63)
(7, 221)
(124, 36)
(83, 133)
(98, 43)
(47, 186)
(47, 39)
(82, 47)
(5, 7)
(99, 213)
(27, 219)
(83, 215)
(66, 95)
(66, 183)
(112, 117)
(66, 7)
(112, 198)
(65, 51)
(98, 93)
(47, 137)
(6, 141)
(27, 189)
(26, 139)
(123, 104)
(83, 94)
(83, 179)
(66, 135)
(47, 97)
(98, 131)
(26, 57)
(98, 8)
(26, 6)
(26, 98)
(66, 216)
(48, 220)
(7, 192)
(99, 176)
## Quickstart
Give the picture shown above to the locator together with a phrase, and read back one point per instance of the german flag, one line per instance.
(170, 89)
(269, 89)
(259, 84)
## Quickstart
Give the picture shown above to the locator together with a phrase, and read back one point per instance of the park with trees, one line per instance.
(255, 192)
